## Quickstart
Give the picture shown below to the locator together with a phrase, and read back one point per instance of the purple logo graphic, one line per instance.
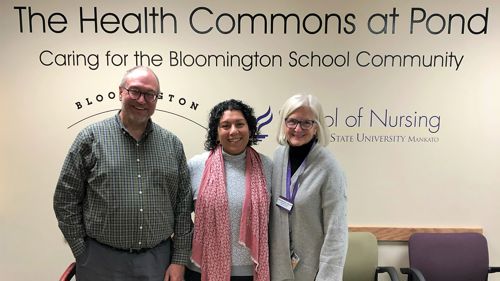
(266, 118)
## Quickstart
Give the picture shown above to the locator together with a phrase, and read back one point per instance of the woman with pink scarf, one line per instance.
(231, 189)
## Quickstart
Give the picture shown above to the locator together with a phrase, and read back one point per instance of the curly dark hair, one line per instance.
(216, 114)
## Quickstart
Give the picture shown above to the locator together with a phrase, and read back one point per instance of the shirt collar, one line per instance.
(149, 126)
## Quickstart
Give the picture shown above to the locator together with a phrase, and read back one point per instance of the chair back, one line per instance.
(69, 272)
(362, 257)
(449, 256)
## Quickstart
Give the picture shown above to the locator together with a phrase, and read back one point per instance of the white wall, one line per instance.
(451, 182)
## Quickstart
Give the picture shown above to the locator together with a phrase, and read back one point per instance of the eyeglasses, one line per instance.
(135, 94)
(292, 123)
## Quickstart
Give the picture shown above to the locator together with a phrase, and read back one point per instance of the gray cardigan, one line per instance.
(318, 220)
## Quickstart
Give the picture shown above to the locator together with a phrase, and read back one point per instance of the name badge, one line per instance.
(284, 204)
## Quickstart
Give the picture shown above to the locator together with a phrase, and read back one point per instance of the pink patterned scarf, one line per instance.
(212, 237)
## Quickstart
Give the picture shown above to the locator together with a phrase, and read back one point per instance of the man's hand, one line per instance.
(175, 272)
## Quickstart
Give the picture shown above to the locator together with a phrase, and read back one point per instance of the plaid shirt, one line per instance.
(125, 193)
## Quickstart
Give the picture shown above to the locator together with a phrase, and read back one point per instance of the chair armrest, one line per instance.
(69, 272)
(413, 274)
(393, 274)
(493, 269)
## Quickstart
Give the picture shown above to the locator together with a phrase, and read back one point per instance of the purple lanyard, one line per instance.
(290, 194)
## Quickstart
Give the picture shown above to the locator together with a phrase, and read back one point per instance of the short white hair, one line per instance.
(308, 101)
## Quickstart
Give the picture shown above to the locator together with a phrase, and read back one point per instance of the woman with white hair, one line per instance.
(308, 225)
